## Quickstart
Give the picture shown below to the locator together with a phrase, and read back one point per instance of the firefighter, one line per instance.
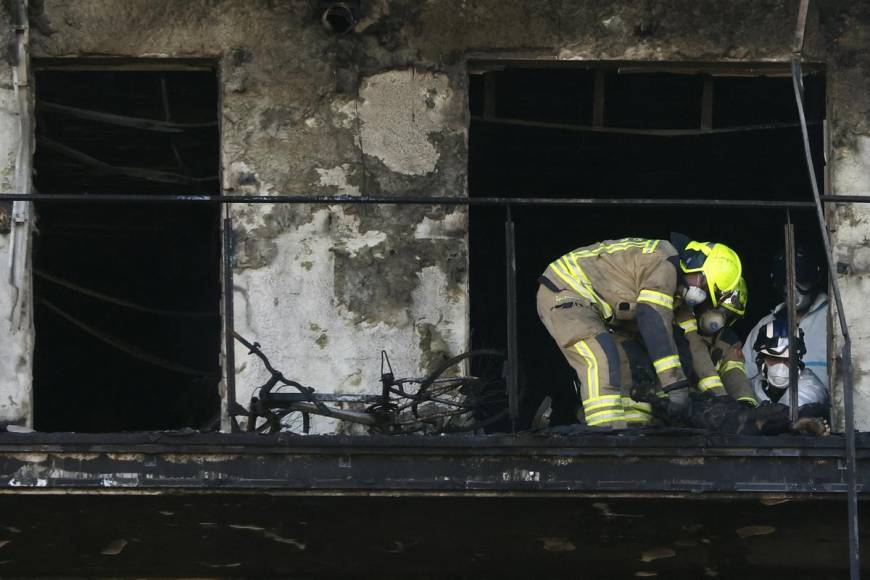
(713, 349)
(630, 286)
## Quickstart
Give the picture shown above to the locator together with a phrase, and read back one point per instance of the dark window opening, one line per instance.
(531, 143)
(127, 295)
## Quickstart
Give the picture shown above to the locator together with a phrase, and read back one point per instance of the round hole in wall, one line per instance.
(338, 18)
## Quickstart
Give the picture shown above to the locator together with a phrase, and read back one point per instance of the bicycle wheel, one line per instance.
(465, 393)
(280, 421)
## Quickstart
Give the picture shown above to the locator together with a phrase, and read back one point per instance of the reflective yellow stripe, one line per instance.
(578, 286)
(591, 367)
(579, 274)
(710, 382)
(575, 269)
(630, 404)
(654, 297)
(605, 417)
(666, 363)
(570, 281)
(584, 280)
(575, 277)
(651, 246)
(619, 246)
(749, 400)
(607, 413)
(733, 364)
(690, 325)
(593, 403)
(637, 417)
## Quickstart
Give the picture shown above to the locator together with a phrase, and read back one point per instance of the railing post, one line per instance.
(229, 318)
(511, 299)
(791, 312)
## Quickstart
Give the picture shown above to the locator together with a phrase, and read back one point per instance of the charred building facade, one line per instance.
(334, 180)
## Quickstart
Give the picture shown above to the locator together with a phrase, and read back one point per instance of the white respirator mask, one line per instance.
(694, 295)
(777, 375)
(711, 321)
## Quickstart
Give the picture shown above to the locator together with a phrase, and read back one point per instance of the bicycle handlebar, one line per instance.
(277, 377)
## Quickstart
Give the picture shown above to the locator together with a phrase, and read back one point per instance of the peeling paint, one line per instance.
(336, 180)
(344, 113)
(452, 226)
(399, 110)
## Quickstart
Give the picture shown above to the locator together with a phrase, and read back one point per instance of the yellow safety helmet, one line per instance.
(736, 300)
(719, 264)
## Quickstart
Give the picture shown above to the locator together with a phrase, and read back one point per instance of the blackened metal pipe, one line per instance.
(229, 320)
(411, 200)
(791, 312)
(846, 353)
(511, 301)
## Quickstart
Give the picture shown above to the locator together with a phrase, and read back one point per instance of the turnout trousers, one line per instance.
(579, 329)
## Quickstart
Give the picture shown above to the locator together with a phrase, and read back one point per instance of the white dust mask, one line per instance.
(694, 295)
(711, 321)
(777, 375)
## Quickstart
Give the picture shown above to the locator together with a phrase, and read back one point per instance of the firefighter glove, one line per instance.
(678, 401)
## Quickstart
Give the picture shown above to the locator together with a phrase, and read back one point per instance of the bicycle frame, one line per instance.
(307, 402)
(385, 413)
(290, 402)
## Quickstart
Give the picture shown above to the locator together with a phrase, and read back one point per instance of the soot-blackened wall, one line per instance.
(383, 111)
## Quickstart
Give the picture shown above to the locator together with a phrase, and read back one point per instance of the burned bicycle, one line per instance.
(466, 393)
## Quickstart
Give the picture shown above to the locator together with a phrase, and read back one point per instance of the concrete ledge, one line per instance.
(679, 463)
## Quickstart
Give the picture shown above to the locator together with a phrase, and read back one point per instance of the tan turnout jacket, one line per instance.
(632, 280)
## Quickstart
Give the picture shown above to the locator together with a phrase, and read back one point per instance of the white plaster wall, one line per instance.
(292, 310)
(851, 247)
(15, 339)
(285, 290)
(15, 355)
